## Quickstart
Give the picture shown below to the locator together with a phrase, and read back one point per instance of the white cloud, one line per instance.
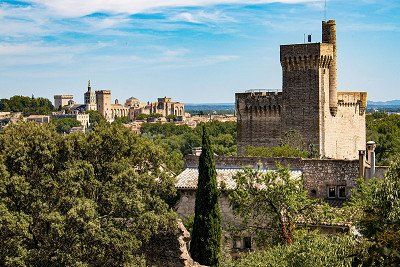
(200, 17)
(78, 8)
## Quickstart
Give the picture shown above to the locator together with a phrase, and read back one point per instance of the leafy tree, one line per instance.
(384, 129)
(95, 117)
(171, 117)
(155, 115)
(375, 207)
(122, 120)
(205, 246)
(27, 105)
(64, 125)
(284, 199)
(308, 250)
(142, 116)
(80, 200)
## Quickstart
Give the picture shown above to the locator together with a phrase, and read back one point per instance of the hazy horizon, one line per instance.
(196, 52)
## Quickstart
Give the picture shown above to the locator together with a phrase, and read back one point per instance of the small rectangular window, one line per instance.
(341, 191)
(247, 243)
(331, 192)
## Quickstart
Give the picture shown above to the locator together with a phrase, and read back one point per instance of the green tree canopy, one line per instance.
(27, 105)
(80, 200)
(384, 129)
(310, 249)
(95, 117)
(284, 199)
(64, 125)
(375, 210)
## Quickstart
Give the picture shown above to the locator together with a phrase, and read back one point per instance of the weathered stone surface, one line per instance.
(331, 123)
(170, 249)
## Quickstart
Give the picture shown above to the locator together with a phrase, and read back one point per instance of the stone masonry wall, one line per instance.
(330, 122)
(259, 119)
(318, 174)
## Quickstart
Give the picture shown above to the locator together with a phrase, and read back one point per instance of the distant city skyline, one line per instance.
(195, 51)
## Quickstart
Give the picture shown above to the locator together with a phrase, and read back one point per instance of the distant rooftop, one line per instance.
(263, 90)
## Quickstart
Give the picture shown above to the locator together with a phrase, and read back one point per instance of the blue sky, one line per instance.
(192, 50)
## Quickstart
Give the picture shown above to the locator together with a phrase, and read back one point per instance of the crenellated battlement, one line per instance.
(328, 122)
(306, 56)
(259, 103)
(353, 99)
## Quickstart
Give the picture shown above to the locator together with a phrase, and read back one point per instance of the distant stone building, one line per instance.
(330, 123)
(63, 100)
(164, 106)
(81, 117)
(90, 98)
(133, 102)
(108, 110)
(38, 118)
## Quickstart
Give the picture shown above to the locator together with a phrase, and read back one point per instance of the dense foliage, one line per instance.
(310, 249)
(205, 246)
(64, 125)
(27, 105)
(284, 198)
(384, 129)
(95, 117)
(180, 140)
(375, 210)
(80, 200)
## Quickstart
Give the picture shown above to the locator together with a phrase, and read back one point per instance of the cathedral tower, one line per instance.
(90, 98)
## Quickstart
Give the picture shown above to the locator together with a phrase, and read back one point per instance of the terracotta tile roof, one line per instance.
(188, 178)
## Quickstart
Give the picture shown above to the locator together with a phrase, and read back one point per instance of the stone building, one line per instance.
(83, 118)
(38, 119)
(328, 179)
(63, 100)
(308, 104)
(164, 106)
(107, 110)
(90, 98)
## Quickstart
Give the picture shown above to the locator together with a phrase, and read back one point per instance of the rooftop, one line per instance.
(188, 178)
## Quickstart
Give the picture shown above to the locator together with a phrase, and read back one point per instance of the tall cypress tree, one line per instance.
(205, 247)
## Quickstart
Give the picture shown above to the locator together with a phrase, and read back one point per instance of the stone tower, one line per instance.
(103, 100)
(90, 98)
(308, 105)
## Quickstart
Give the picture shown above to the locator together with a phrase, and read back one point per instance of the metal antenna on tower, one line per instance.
(325, 10)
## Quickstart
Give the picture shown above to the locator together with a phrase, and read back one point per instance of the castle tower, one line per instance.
(103, 100)
(90, 98)
(325, 122)
(329, 37)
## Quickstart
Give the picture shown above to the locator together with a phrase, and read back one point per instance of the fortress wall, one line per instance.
(345, 134)
(258, 119)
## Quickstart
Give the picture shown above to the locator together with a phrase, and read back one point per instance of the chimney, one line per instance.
(361, 164)
(371, 158)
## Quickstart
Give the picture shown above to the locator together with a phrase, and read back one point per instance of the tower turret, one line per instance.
(329, 36)
(90, 98)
